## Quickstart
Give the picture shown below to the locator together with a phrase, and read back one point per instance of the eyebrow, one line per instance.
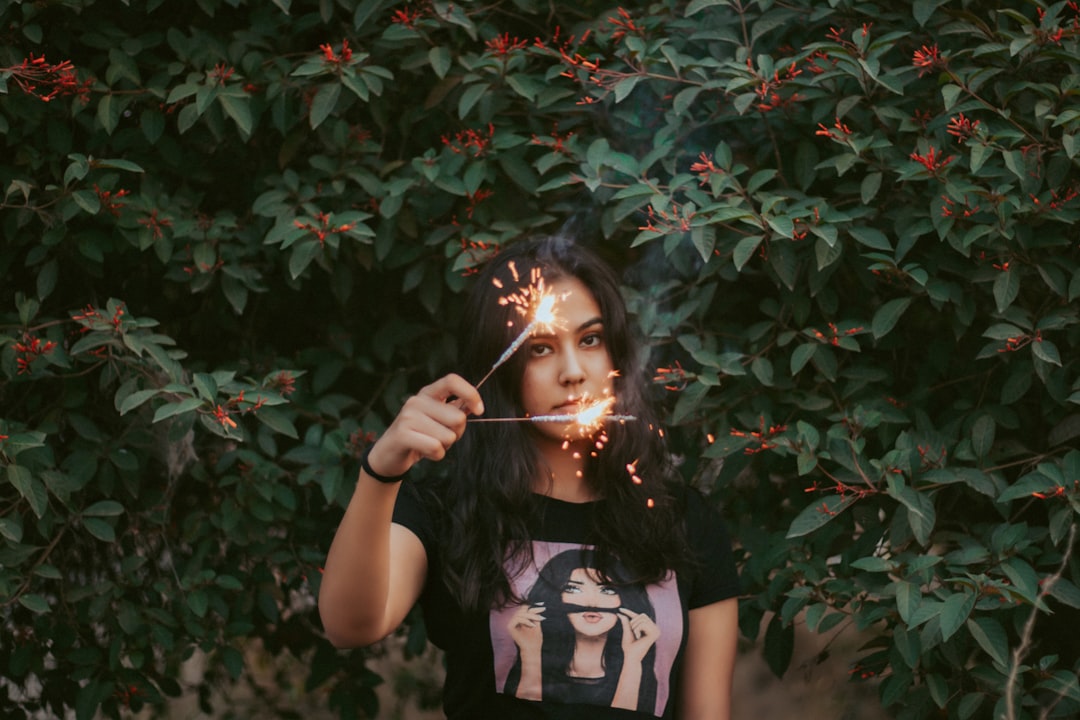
(587, 324)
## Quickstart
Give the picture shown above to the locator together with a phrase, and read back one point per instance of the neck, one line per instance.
(588, 659)
(561, 474)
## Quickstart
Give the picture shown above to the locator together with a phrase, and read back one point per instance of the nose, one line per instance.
(572, 371)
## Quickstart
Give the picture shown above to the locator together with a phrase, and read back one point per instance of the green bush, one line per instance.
(235, 235)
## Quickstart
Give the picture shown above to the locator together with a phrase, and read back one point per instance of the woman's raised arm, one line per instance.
(375, 570)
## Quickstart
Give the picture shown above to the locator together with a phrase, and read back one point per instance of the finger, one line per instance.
(453, 386)
(419, 407)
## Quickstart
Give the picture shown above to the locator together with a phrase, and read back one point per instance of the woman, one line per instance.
(582, 637)
(468, 547)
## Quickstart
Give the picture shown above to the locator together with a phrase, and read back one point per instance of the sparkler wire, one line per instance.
(552, 418)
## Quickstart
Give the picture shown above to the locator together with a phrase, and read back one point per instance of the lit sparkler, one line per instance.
(589, 419)
(533, 298)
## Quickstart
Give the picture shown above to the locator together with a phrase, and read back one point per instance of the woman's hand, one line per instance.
(525, 630)
(426, 426)
(640, 633)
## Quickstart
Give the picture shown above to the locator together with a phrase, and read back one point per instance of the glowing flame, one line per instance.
(545, 310)
(535, 303)
(593, 414)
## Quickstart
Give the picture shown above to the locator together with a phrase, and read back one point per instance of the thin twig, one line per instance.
(1021, 650)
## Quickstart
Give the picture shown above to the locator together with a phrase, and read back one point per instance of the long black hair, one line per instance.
(557, 649)
(488, 500)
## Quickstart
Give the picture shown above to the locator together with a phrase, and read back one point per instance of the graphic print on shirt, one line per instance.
(583, 638)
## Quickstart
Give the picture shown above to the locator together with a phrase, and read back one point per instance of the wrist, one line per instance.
(365, 465)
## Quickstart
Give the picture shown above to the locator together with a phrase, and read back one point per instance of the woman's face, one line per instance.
(585, 588)
(569, 364)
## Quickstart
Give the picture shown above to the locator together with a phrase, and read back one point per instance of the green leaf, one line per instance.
(302, 255)
(87, 200)
(869, 187)
(818, 514)
(1046, 351)
(779, 645)
(239, 109)
(967, 706)
(991, 637)
(439, 57)
(923, 10)
(1066, 591)
(233, 660)
(1006, 288)
(871, 237)
(939, 689)
(198, 602)
(276, 421)
(624, 87)
(982, 436)
(955, 611)
(697, 6)
(136, 399)
(11, 527)
(104, 508)
(100, 529)
(908, 599)
(921, 514)
(108, 113)
(118, 164)
(323, 104)
(35, 603)
(1027, 485)
(802, 355)
(175, 408)
(745, 250)
(30, 487)
(763, 370)
(949, 94)
(887, 315)
(470, 97)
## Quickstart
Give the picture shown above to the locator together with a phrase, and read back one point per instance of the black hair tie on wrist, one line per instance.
(381, 478)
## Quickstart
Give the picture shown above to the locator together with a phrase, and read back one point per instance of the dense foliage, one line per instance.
(235, 235)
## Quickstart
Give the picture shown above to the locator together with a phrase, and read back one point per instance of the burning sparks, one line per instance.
(588, 420)
(533, 300)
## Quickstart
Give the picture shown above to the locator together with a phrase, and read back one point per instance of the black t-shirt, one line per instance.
(580, 618)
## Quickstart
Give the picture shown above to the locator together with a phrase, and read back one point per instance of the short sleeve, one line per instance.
(716, 577)
(410, 512)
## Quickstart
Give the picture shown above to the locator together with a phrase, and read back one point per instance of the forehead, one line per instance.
(586, 576)
(576, 301)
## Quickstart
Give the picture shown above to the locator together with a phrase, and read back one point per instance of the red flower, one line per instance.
(961, 127)
(503, 45)
(927, 59)
(155, 224)
(221, 73)
(330, 57)
(705, 168)
(35, 76)
(29, 350)
(406, 17)
(933, 162)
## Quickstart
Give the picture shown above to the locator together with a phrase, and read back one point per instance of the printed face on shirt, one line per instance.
(566, 641)
(569, 364)
(584, 589)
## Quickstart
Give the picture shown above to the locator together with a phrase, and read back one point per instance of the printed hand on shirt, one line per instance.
(525, 630)
(524, 627)
(640, 633)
